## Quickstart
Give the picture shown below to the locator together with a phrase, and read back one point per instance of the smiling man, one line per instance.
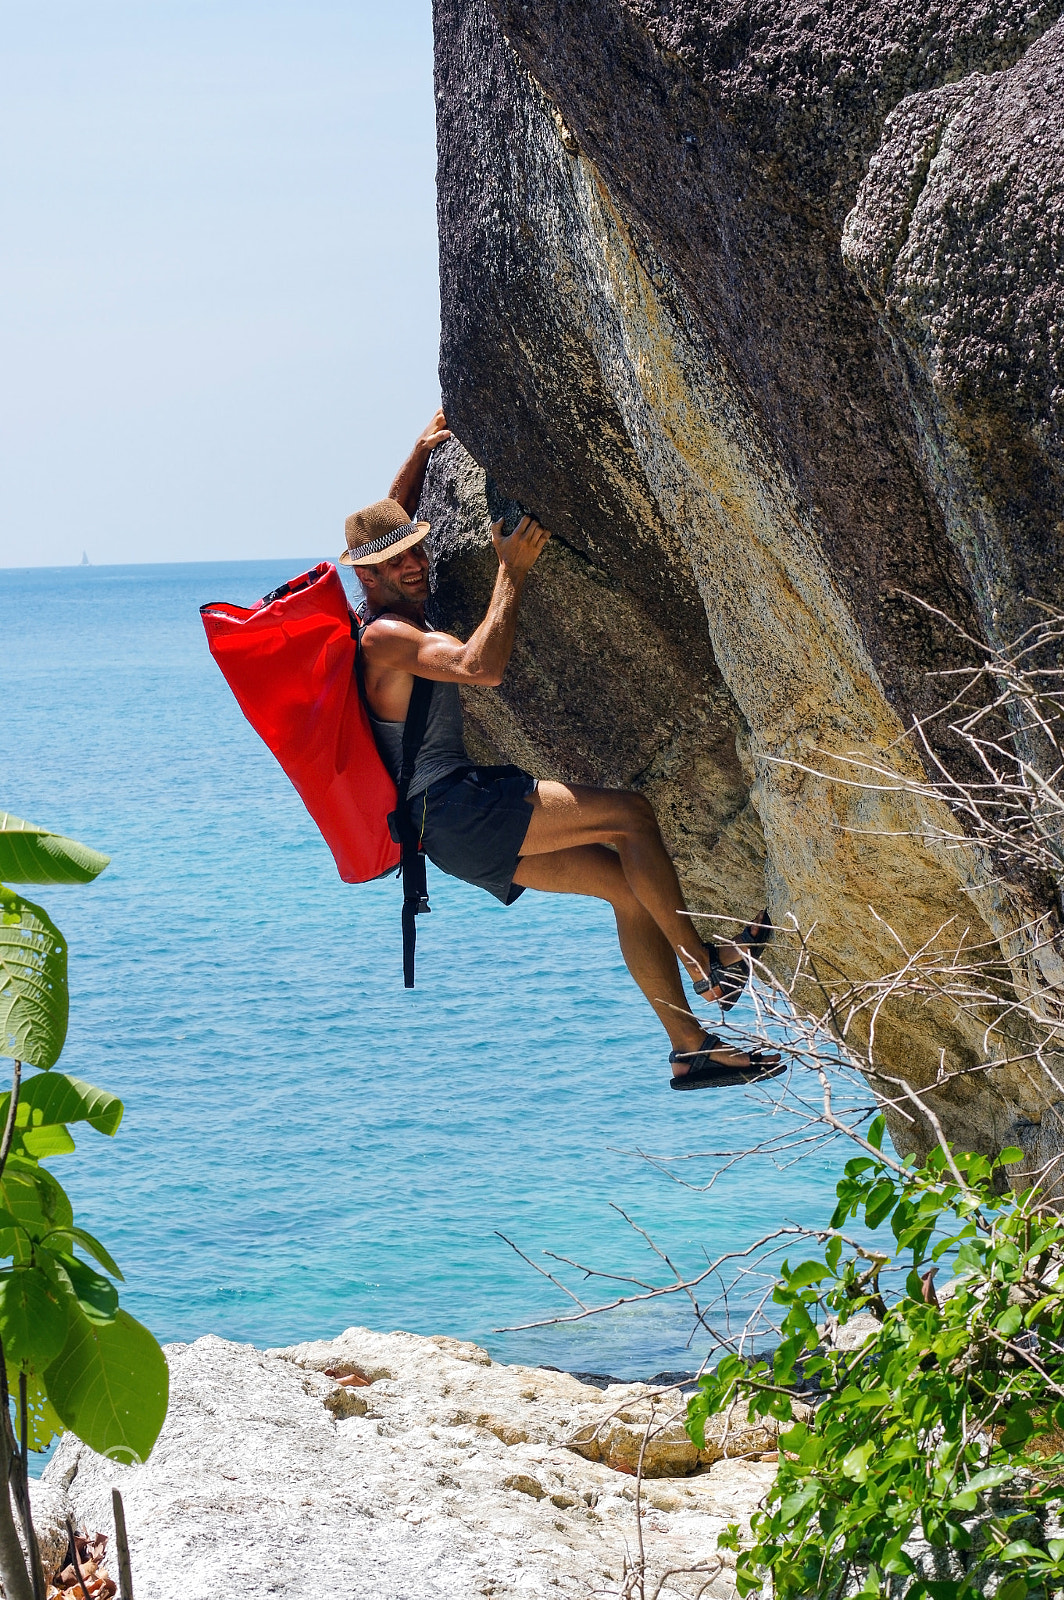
(499, 827)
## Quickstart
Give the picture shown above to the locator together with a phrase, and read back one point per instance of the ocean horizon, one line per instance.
(292, 565)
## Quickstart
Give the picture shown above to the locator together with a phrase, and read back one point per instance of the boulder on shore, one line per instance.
(760, 307)
(389, 1465)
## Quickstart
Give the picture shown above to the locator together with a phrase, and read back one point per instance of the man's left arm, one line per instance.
(410, 479)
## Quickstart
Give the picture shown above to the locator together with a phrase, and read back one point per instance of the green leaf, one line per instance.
(1015, 1588)
(1010, 1321)
(110, 1386)
(96, 1295)
(1010, 1155)
(897, 1563)
(855, 1463)
(1021, 1547)
(51, 1097)
(33, 1317)
(94, 1248)
(1033, 1313)
(29, 854)
(880, 1203)
(989, 1478)
(969, 1258)
(1019, 1426)
(784, 1356)
(36, 1200)
(808, 1272)
(695, 1423)
(33, 983)
(50, 1141)
(43, 1424)
(876, 1132)
(795, 1504)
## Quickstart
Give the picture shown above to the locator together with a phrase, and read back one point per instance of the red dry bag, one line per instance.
(291, 661)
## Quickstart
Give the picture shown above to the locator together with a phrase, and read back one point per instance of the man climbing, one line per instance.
(501, 828)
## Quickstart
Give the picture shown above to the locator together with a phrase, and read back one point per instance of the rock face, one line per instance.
(385, 1465)
(759, 307)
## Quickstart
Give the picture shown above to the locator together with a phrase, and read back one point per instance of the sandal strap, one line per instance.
(710, 1042)
(732, 978)
(756, 934)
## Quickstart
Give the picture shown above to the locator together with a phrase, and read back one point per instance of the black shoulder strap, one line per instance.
(417, 718)
(411, 855)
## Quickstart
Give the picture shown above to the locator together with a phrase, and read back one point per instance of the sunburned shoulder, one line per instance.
(389, 626)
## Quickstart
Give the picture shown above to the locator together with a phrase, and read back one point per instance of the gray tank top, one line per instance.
(443, 748)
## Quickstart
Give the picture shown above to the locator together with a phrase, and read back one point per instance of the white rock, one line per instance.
(852, 1334)
(49, 1502)
(455, 1480)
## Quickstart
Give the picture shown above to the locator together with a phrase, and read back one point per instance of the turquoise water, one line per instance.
(306, 1145)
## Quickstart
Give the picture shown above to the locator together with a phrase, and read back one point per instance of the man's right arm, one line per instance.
(410, 479)
(397, 646)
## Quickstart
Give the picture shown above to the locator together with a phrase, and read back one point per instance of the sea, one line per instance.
(306, 1145)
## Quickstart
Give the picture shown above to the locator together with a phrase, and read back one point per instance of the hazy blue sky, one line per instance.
(218, 283)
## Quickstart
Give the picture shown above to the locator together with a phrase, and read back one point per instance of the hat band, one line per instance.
(383, 542)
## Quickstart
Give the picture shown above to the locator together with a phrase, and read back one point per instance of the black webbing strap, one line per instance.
(400, 823)
(412, 857)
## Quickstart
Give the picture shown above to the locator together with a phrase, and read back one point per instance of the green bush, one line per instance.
(933, 1460)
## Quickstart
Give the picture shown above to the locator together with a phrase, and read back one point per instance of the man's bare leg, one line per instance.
(566, 816)
(594, 870)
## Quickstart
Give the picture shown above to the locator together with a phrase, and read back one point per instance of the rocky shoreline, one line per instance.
(389, 1465)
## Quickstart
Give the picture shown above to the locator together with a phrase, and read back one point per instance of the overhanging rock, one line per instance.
(751, 447)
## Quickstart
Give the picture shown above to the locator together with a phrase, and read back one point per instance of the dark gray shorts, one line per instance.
(473, 825)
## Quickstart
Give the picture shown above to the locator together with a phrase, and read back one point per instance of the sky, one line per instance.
(219, 301)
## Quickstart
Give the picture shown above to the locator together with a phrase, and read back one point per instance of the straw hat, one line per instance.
(379, 532)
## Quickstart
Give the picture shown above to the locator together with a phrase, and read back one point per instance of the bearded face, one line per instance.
(401, 583)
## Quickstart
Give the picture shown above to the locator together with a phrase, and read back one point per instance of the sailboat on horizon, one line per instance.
(85, 562)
